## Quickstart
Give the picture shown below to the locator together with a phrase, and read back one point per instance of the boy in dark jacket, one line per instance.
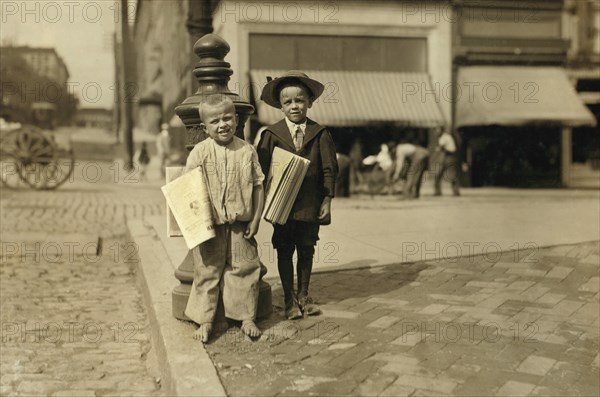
(294, 93)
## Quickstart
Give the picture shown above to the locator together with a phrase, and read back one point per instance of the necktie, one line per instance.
(299, 139)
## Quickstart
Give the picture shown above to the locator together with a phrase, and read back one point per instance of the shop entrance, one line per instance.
(513, 156)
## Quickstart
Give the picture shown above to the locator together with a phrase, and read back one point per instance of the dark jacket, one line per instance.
(320, 178)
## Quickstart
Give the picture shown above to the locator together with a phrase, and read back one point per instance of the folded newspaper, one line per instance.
(286, 175)
(189, 208)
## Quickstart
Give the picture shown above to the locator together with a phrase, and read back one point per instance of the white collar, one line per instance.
(292, 126)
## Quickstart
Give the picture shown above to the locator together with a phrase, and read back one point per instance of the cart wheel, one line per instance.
(58, 171)
(10, 172)
(34, 151)
(11, 161)
(37, 160)
(47, 166)
(41, 164)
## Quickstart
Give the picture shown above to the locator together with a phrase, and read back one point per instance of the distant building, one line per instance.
(581, 146)
(94, 118)
(518, 80)
(385, 65)
(44, 61)
(516, 106)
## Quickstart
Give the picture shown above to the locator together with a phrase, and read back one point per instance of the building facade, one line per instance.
(581, 146)
(385, 65)
(516, 79)
(44, 61)
(94, 118)
(515, 103)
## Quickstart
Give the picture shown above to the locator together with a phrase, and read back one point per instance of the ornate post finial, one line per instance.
(212, 73)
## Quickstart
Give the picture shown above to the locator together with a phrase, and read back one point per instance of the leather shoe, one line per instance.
(292, 311)
(308, 306)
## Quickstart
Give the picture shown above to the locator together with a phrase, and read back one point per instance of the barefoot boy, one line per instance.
(294, 94)
(228, 263)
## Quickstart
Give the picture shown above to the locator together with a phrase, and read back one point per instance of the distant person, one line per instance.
(356, 158)
(142, 159)
(384, 161)
(416, 158)
(448, 163)
(231, 169)
(294, 93)
(342, 185)
(163, 147)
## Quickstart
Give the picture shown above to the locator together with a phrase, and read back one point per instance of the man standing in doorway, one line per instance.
(448, 162)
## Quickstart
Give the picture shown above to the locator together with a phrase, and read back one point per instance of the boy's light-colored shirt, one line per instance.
(231, 172)
(293, 126)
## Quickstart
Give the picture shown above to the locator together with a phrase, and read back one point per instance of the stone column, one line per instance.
(212, 74)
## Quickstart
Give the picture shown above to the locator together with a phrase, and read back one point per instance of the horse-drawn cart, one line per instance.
(31, 157)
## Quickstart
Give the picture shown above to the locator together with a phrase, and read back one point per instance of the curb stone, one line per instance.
(184, 364)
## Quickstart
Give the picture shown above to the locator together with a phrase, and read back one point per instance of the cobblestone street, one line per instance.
(73, 321)
(507, 323)
(524, 323)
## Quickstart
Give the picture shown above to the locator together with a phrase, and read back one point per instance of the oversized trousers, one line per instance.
(227, 263)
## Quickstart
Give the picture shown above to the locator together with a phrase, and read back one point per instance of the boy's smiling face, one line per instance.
(219, 122)
(295, 102)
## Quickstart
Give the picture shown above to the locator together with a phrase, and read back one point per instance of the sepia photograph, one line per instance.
(232, 198)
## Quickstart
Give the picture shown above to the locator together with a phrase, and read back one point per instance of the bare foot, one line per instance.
(203, 332)
(250, 329)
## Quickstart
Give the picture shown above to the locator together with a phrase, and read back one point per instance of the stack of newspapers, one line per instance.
(189, 208)
(285, 178)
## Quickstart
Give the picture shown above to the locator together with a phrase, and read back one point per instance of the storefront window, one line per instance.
(312, 52)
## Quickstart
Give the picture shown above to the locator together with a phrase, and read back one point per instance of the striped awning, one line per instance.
(518, 95)
(353, 98)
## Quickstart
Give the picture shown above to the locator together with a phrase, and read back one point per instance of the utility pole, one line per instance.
(117, 100)
(126, 85)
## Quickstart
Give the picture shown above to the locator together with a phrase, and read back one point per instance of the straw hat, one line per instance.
(270, 92)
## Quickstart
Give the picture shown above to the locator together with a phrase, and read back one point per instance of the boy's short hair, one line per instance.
(214, 100)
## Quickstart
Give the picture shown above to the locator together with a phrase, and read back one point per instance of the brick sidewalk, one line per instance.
(525, 323)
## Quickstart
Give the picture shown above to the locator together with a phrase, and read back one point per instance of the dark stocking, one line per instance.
(304, 268)
(286, 271)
